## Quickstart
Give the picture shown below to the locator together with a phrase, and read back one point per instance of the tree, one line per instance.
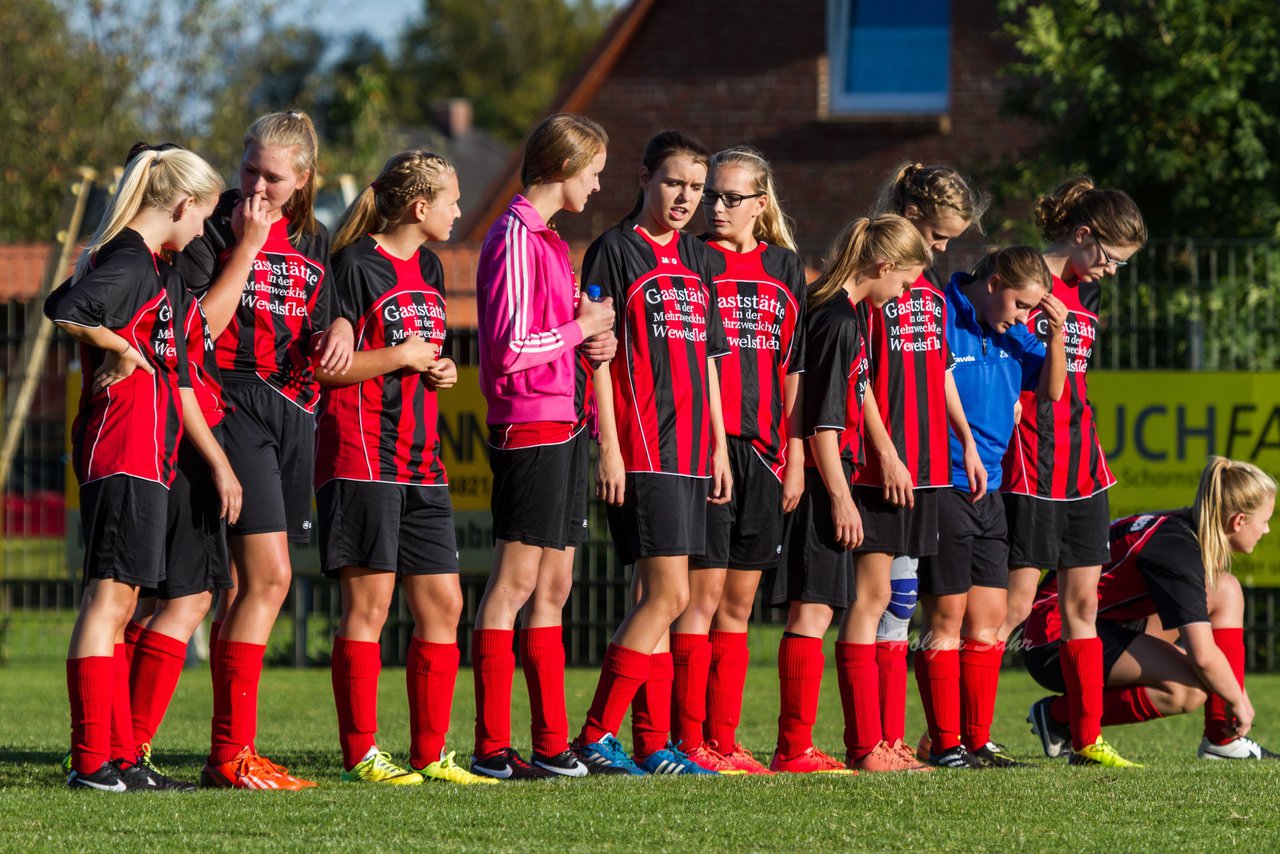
(508, 56)
(1176, 101)
(65, 103)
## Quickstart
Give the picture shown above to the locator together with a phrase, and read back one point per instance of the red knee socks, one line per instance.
(431, 674)
(979, 682)
(651, 708)
(891, 662)
(153, 677)
(542, 657)
(91, 684)
(938, 675)
(621, 676)
(122, 746)
(860, 697)
(691, 655)
(493, 665)
(1082, 672)
(355, 668)
(800, 662)
(726, 683)
(235, 699)
(1231, 642)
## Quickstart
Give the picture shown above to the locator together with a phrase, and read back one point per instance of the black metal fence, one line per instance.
(1180, 304)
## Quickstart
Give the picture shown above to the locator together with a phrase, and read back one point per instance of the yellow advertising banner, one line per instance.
(1159, 427)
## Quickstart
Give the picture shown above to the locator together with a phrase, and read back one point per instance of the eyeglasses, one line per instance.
(731, 200)
(1107, 260)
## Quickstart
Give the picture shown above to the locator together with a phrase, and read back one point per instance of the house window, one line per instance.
(889, 56)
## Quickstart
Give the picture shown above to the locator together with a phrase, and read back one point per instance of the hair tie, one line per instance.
(373, 185)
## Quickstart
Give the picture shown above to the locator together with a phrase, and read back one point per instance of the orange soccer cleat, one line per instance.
(248, 770)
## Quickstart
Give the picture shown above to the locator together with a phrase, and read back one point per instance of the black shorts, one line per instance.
(394, 527)
(746, 533)
(196, 539)
(124, 531)
(1058, 534)
(1044, 663)
(661, 515)
(271, 445)
(973, 550)
(540, 494)
(890, 529)
(814, 567)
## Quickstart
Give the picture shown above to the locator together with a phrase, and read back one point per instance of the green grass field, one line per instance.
(1175, 803)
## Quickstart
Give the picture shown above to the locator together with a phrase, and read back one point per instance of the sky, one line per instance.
(383, 19)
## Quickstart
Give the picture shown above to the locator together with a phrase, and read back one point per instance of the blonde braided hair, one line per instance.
(405, 178)
(934, 191)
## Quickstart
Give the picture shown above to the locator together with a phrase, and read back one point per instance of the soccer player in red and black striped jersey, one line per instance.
(1168, 579)
(662, 442)
(913, 399)
(203, 494)
(871, 263)
(382, 490)
(1055, 474)
(261, 271)
(539, 341)
(122, 306)
(760, 297)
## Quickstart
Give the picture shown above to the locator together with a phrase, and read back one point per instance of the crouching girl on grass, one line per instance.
(1172, 571)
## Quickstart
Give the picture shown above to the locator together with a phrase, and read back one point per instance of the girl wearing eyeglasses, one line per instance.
(1055, 474)
(760, 296)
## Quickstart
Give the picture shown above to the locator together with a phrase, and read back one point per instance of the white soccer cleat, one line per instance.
(1237, 748)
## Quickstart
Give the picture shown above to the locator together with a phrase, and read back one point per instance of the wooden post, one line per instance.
(39, 331)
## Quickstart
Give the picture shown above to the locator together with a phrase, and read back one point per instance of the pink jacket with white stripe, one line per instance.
(525, 292)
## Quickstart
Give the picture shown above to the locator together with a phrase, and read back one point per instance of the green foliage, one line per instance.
(61, 104)
(1177, 101)
(508, 56)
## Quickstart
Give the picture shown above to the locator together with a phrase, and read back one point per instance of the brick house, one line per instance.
(836, 93)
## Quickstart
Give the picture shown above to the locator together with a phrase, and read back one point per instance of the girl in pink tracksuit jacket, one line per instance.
(538, 343)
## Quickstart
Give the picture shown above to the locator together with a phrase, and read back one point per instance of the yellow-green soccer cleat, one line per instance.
(445, 770)
(377, 767)
(1101, 753)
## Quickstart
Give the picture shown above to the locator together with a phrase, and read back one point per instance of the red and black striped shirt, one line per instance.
(206, 378)
(386, 428)
(285, 302)
(836, 376)
(667, 327)
(133, 427)
(760, 295)
(907, 345)
(1055, 452)
(1155, 568)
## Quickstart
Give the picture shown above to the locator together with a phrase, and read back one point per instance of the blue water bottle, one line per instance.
(594, 294)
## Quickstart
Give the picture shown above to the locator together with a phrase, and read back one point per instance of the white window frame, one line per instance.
(842, 102)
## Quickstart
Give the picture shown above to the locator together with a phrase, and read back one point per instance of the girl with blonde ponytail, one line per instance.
(872, 262)
(381, 488)
(1173, 570)
(121, 307)
(760, 288)
(261, 273)
(942, 206)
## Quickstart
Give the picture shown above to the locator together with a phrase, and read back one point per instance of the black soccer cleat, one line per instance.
(1055, 738)
(957, 757)
(564, 764)
(507, 764)
(105, 779)
(995, 756)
